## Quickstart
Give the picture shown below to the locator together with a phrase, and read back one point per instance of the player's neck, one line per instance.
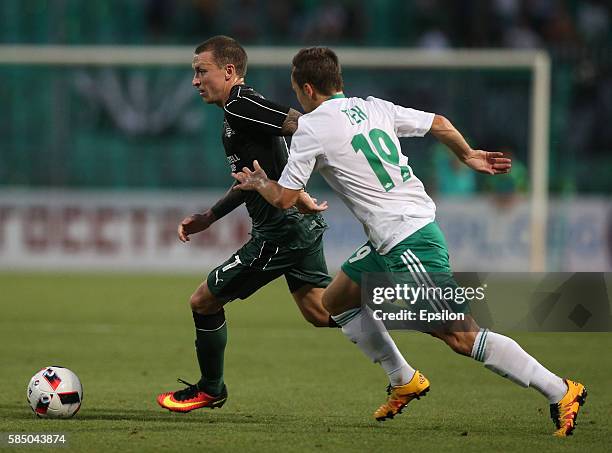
(338, 95)
(322, 98)
(230, 86)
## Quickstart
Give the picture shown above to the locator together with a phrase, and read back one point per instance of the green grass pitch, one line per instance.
(291, 387)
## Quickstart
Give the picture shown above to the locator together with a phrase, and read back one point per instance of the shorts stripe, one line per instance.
(439, 304)
(269, 259)
(234, 263)
(418, 280)
(260, 252)
(443, 303)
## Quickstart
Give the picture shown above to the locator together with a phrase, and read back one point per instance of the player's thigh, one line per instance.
(421, 260)
(424, 251)
(245, 272)
(363, 260)
(307, 277)
(307, 267)
(344, 292)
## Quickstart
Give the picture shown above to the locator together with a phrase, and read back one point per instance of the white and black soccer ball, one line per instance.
(55, 392)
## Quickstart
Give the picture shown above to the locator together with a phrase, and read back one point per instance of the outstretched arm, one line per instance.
(274, 193)
(491, 163)
(199, 222)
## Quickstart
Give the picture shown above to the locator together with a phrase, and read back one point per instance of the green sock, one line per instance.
(211, 338)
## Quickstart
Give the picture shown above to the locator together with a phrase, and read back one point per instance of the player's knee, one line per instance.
(204, 305)
(196, 302)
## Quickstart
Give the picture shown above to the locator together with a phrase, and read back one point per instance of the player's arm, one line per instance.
(275, 194)
(272, 191)
(289, 190)
(200, 222)
(259, 115)
(415, 123)
(492, 163)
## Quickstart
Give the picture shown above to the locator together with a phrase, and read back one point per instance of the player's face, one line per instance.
(209, 79)
(303, 98)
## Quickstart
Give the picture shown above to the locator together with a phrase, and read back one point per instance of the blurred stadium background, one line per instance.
(98, 163)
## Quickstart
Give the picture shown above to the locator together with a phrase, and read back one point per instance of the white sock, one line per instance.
(371, 336)
(505, 357)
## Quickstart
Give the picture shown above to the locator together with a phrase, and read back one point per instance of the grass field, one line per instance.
(291, 387)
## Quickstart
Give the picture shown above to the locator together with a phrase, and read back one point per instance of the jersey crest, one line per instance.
(227, 130)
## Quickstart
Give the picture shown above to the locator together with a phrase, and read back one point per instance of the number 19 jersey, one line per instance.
(354, 144)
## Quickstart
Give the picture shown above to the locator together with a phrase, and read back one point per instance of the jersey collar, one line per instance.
(235, 88)
(336, 96)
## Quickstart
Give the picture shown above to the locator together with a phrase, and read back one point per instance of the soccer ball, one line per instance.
(55, 392)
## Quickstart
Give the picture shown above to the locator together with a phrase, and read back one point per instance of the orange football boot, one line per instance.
(191, 398)
(565, 412)
(401, 395)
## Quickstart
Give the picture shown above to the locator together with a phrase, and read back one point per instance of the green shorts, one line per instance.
(259, 262)
(419, 260)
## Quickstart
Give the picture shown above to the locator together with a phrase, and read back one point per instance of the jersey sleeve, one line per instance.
(412, 123)
(407, 122)
(302, 158)
(249, 112)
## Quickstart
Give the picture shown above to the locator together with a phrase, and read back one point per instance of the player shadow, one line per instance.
(144, 415)
(18, 412)
(335, 423)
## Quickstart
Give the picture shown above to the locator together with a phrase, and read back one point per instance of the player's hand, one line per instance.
(490, 163)
(194, 224)
(308, 205)
(250, 180)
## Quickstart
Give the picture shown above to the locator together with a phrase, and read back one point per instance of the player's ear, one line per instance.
(230, 71)
(308, 90)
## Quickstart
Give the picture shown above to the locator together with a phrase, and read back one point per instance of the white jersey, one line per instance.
(354, 144)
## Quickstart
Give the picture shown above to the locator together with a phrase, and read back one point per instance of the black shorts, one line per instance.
(259, 262)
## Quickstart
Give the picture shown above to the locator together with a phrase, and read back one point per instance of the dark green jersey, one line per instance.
(252, 131)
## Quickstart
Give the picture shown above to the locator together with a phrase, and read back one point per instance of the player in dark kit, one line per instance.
(283, 242)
